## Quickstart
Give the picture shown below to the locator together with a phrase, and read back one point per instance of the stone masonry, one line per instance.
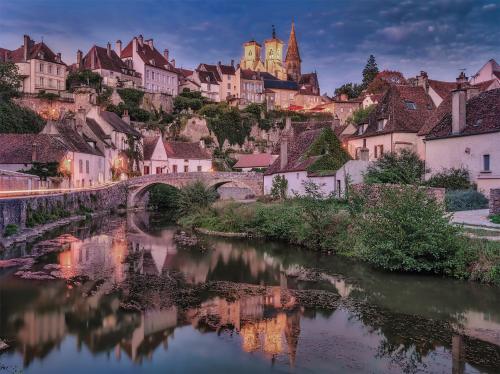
(495, 201)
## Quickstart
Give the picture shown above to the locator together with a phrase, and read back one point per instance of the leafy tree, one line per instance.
(83, 78)
(451, 179)
(226, 123)
(332, 154)
(404, 167)
(384, 80)
(17, 119)
(352, 90)
(164, 198)
(44, 170)
(360, 115)
(10, 81)
(196, 196)
(370, 71)
(189, 100)
(279, 187)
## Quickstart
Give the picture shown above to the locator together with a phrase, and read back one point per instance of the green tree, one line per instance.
(370, 71)
(331, 155)
(196, 196)
(279, 187)
(404, 167)
(83, 78)
(360, 115)
(352, 90)
(17, 119)
(10, 81)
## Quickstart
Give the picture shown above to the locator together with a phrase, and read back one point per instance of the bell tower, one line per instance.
(274, 56)
(251, 56)
(292, 60)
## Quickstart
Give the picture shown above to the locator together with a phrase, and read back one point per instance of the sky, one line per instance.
(335, 37)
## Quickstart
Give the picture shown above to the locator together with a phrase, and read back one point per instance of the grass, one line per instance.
(482, 232)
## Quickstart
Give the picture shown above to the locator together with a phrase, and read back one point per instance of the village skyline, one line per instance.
(440, 37)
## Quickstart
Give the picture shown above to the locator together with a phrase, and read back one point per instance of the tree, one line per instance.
(10, 81)
(329, 152)
(404, 167)
(226, 123)
(370, 71)
(360, 115)
(384, 80)
(83, 78)
(279, 187)
(352, 90)
(17, 119)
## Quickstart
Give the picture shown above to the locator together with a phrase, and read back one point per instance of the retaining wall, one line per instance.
(495, 201)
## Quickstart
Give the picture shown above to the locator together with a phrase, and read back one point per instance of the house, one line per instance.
(157, 72)
(226, 78)
(16, 181)
(113, 136)
(294, 161)
(209, 84)
(280, 94)
(187, 81)
(251, 86)
(488, 75)
(155, 156)
(249, 162)
(187, 157)
(108, 64)
(467, 134)
(41, 69)
(394, 123)
(370, 99)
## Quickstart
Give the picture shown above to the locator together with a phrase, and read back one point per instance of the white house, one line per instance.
(209, 84)
(489, 74)
(155, 156)
(158, 73)
(187, 157)
(468, 135)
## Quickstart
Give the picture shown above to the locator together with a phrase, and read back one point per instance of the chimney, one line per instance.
(26, 46)
(462, 80)
(126, 117)
(80, 120)
(150, 43)
(141, 40)
(364, 154)
(422, 80)
(135, 44)
(118, 48)
(458, 107)
(173, 62)
(108, 49)
(472, 91)
(165, 54)
(58, 57)
(232, 63)
(79, 59)
(34, 152)
(284, 151)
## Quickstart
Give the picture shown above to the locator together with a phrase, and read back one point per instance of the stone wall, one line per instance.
(16, 210)
(373, 191)
(495, 201)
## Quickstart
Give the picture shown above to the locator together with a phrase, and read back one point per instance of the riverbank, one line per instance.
(405, 233)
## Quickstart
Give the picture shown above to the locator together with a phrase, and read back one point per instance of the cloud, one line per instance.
(489, 6)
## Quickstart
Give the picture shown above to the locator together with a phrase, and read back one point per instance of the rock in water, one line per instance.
(3, 345)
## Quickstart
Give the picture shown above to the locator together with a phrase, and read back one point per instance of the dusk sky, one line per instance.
(335, 37)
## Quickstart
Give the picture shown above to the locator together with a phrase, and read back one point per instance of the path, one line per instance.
(477, 217)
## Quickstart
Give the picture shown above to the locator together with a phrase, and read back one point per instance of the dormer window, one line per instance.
(410, 105)
(381, 124)
(152, 62)
(362, 128)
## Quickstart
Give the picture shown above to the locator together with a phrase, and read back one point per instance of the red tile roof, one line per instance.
(482, 116)
(254, 160)
(212, 69)
(186, 151)
(207, 77)
(185, 72)
(18, 148)
(149, 144)
(227, 69)
(442, 88)
(104, 61)
(38, 51)
(149, 55)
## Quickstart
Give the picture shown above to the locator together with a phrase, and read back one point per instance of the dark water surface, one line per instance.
(384, 323)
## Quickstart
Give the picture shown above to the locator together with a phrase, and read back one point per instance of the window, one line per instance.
(41, 68)
(80, 166)
(152, 75)
(379, 150)
(58, 71)
(51, 83)
(174, 169)
(146, 170)
(147, 74)
(486, 163)
(361, 129)
(41, 81)
(229, 86)
(381, 124)
(410, 105)
(158, 170)
(186, 168)
(198, 168)
(87, 166)
(49, 69)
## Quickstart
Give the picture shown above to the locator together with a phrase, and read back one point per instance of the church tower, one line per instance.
(292, 60)
(251, 56)
(274, 57)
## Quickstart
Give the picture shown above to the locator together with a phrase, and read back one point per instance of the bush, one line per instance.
(495, 218)
(481, 259)
(404, 167)
(451, 179)
(16, 119)
(196, 196)
(407, 230)
(465, 200)
(10, 230)
(279, 187)
(164, 198)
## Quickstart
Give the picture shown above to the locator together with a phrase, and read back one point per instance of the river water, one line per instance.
(382, 323)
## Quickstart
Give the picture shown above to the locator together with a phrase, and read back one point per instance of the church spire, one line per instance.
(292, 59)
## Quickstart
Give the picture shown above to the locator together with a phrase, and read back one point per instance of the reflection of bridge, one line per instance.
(138, 187)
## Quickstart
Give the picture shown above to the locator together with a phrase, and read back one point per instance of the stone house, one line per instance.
(155, 156)
(107, 63)
(280, 94)
(187, 81)
(467, 134)
(187, 157)
(226, 78)
(250, 86)
(209, 84)
(157, 72)
(39, 67)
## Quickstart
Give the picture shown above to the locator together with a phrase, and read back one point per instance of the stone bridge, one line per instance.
(139, 187)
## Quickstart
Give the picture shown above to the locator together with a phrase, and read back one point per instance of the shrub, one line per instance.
(279, 187)
(465, 200)
(404, 167)
(407, 230)
(482, 261)
(10, 230)
(495, 218)
(451, 179)
(164, 198)
(196, 196)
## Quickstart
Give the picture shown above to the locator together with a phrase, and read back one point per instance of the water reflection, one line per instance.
(388, 323)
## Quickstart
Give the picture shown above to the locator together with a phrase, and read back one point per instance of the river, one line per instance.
(78, 320)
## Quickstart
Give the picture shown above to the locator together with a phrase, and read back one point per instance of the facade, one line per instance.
(251, 86)
(274, 57)
(489, 72)
(467, 135)
(187, 81)
(157, 72)
(226, 78)
(187, 157)
(41, 69)
(209, 84)
(155, 156)
(15, 181)
(393, 124)
(107, 63)
(280, 94)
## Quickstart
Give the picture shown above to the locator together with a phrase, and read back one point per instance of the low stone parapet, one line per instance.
(495, 201)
